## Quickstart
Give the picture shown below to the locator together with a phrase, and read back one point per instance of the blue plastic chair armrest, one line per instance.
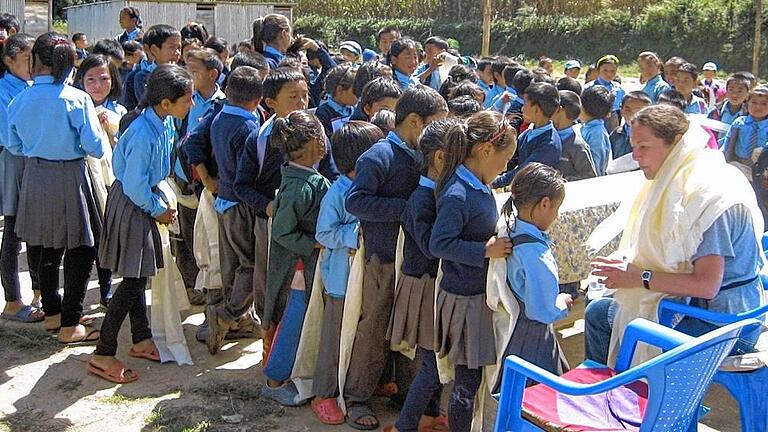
(651, 333)
(668, 308)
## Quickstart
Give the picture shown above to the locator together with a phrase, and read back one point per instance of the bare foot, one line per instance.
(147, 345)
(52, 322)
(103, 362)
(367, 421)
(77, 333)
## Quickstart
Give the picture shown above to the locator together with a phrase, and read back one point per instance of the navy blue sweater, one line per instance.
(359, 114)
(228, 135)
(326, 114)
(545, 148)
(417, 221)
(466, 219)
(198, 146)
(385, 177)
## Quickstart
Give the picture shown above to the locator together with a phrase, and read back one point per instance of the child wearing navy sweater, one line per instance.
(339, 232)
(386, 176)
(412, 324)
(381, 93)
(301, 140)
(537, 193)
(575, 160)
(596, 103)
(229, 131)
(340, 100)
(463, 237)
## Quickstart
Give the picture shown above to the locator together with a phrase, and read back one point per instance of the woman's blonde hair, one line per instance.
(665, 121)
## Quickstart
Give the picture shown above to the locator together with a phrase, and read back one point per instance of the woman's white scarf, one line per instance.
(667, 221)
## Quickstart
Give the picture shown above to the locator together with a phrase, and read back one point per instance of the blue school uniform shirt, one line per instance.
(10, 86)
(540, 144)
(742, 130)
(434, 78)
(488, 91)
(69, 129)
(466, 219)
(417, 221)
(126, 36)
(614, 87)
(114, 107)
(386, 175)
(490, 96)
(516, 104)
(273, 56)
(723, 113)
(596, 136)
(532, 275)
(620, 144)
(655, 86)
(696, 106)
(337, 230)
(196, 113)
(229, 130)
(405, 81)
(142, 158)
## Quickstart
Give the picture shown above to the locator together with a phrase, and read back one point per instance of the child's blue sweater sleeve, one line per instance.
(334, 231)
(445, 243)
(363, 200)
(247, 171)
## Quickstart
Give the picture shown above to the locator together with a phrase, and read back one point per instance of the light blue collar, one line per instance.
(760, 123)
(342, 110)
(413, 153)
(15, 82)
(404, 80)
(483, 86)
(604, 83)
(43, 79)
(344, 182)
(133, 34)
(215, 95)
(511, 90)
(653, 80)
(523, 227)
(539, 131)
(566, 133)
(237, 111)
(274, 53)
(470, 179)
(110, 105)
(153, 119)
(427, 182)
(148, 66)
(594, 123)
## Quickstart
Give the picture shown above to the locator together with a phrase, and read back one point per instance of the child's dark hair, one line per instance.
(498, 65)
(9, 21)
(384, 119)
(194, 31)
(484, 126)
(464, 106)
(168, 81)
(217, 44)
(510, 72)
(131, 47)
(266, 29)
(467, 88)
(77, 36)
(568, 83)
(544, 96)
(352, 140)
(420, 100)
(570, 103)
(158, 34)
(543, 78)
(637, 95)
(733, 79)
(99, 60)
(291, 133)
(279, 77)
(532, 184)
(433, 138)
(56, 52)
(209, 59)
(249, 58)
(460, 72)
(523, 78)
(379, 89)
(597, 101)
(400, 45)
(368, 72)
(340, 77)
(244, 85)
(483, 63)
(758, 91)
(110, 48)
(385, 30)
(689, 68)
(672, 97)
(133, 12)
(14, 46)
(438, 42)
(749, 76)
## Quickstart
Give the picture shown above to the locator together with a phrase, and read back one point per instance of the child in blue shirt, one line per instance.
(510, 100)
(575, 160)
(205, 66)
(412, 322)
(542, 142)
(734, 105)
(499, 85)
(386, 175)
(57, 215)
(596, 103)
(484, 73)
(685, 81)
(463, 237)
(340, 99)
(650, 74)
(380, 93)
(633, 102)
(229, 131)
(15, 61)
(537, 193)
(403, 57)
(272, 36)
(607, 68)
(429, 73)
(338, 231)
(301, 140)
(162, 43)
(748, 133)
(130, 243)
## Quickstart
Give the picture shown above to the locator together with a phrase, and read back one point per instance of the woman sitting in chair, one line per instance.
(693, 233)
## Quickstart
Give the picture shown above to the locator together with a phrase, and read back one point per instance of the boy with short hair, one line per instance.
(710, 88)
(162, 43)
(205, 67)
(219, 46)
(572, 69)
(81, 43)
(381, 93)
(484, 73)
(541, 143)
(511, 99)
(685, 82)
(384, 39)
(568, 83)
(734, 105)
(575, 160)
(596, 104)
(748, 133)
(497, 69)
(633, 102)
(340, 99)
(428, 73)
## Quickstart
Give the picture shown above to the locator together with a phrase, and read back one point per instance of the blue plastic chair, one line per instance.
(750, 389)
(677, 379)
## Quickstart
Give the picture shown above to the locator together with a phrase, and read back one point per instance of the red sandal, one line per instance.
(327, 411)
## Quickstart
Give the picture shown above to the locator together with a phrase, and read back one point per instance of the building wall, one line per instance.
(97, 20)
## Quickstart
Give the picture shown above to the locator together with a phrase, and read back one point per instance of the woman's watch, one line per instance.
(646, 275)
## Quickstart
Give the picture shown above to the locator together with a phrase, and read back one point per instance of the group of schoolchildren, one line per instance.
(384, 187)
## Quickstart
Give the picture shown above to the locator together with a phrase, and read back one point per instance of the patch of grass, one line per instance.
(5, 426)
(28, 338)
(119, 399)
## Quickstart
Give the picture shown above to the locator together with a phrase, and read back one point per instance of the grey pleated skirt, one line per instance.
(464, 330)
(57, 208)
(130, 244)
(537, 343)
(11, 170)
(413, 315)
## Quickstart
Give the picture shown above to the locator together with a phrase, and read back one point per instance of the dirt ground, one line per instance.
(44, 387)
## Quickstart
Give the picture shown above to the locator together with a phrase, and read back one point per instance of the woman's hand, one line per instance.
(498, 247)
(617, 273)
(167, 218)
